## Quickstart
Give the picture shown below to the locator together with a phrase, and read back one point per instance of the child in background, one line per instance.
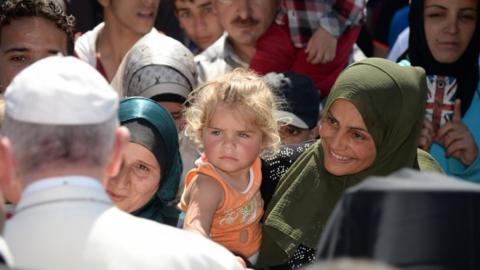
(232, 120)
(311, 37)
(298, 118)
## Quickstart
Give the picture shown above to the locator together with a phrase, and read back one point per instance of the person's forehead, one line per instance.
(136, 152)
(452, 4)
(171, 106)
(192, 3)
(33, 33)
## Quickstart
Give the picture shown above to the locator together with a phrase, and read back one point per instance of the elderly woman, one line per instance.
(151, 168)
(161, 68)
(445, 41)
(371, 124)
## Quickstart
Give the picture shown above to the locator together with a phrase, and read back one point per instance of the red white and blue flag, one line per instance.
(440, 99)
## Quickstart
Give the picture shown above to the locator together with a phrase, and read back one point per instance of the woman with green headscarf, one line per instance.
(150, 173)
(370, 126)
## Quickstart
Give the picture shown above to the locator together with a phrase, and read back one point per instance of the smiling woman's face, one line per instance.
(348, 147)
(449, 27)
(137, 181)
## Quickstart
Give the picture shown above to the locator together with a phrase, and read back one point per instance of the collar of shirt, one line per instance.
(74, 180)
(229, 53)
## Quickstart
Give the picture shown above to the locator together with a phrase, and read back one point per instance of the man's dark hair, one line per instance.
(49, 9)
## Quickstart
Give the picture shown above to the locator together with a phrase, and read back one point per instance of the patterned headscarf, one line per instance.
(156, 65)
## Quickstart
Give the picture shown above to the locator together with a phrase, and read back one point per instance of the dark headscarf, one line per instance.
(391, 100)
(152, 126)
(465, 69)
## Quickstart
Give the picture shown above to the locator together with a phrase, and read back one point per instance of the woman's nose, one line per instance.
(452, 26)
(338, 141)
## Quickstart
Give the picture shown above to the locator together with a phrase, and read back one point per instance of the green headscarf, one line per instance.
(391, 100)
(153, 127)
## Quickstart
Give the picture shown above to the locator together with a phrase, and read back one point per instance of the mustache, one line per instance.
(249, 21)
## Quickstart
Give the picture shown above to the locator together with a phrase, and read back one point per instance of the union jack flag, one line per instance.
(440, 99)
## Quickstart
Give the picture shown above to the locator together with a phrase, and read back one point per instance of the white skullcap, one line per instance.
(60, 91)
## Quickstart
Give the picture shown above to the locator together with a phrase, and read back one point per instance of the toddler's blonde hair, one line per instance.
(239, 89)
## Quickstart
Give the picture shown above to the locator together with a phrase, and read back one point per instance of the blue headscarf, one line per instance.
(153, 127)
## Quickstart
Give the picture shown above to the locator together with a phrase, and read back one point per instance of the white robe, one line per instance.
(70, 223)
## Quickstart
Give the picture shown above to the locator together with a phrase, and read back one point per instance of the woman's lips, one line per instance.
(448, 44)
(338, 157)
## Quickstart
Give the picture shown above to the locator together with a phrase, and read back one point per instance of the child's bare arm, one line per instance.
(206, 196)
(321, 47)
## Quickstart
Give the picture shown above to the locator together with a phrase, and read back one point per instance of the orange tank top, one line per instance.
(236, 224)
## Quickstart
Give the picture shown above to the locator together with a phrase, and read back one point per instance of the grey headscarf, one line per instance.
(156, 65)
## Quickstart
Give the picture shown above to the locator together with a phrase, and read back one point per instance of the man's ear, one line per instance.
(6, 162)
(122, 136)
(8, 185)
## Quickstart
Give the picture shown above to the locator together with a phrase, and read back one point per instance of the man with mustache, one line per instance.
(244, 22)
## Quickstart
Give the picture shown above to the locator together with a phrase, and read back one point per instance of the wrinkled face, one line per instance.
(199, 20)
(231, 142)
(348, 147)
(245, 20)
(293, 135)
(137, 16)
(25, 41)
(449, 27)
(137, 181)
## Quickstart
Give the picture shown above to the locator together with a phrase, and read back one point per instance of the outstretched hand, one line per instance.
(321, 47)
(456, 138)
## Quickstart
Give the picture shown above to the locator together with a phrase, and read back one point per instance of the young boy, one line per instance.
(125, 22)
(199, 21)
(311, 37)
(299, 116)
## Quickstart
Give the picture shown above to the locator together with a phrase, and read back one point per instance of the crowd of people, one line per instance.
(238, 134)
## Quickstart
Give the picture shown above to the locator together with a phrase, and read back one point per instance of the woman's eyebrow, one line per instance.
(144, 163)
(358, 128)
(330, 114)
(435, 6)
